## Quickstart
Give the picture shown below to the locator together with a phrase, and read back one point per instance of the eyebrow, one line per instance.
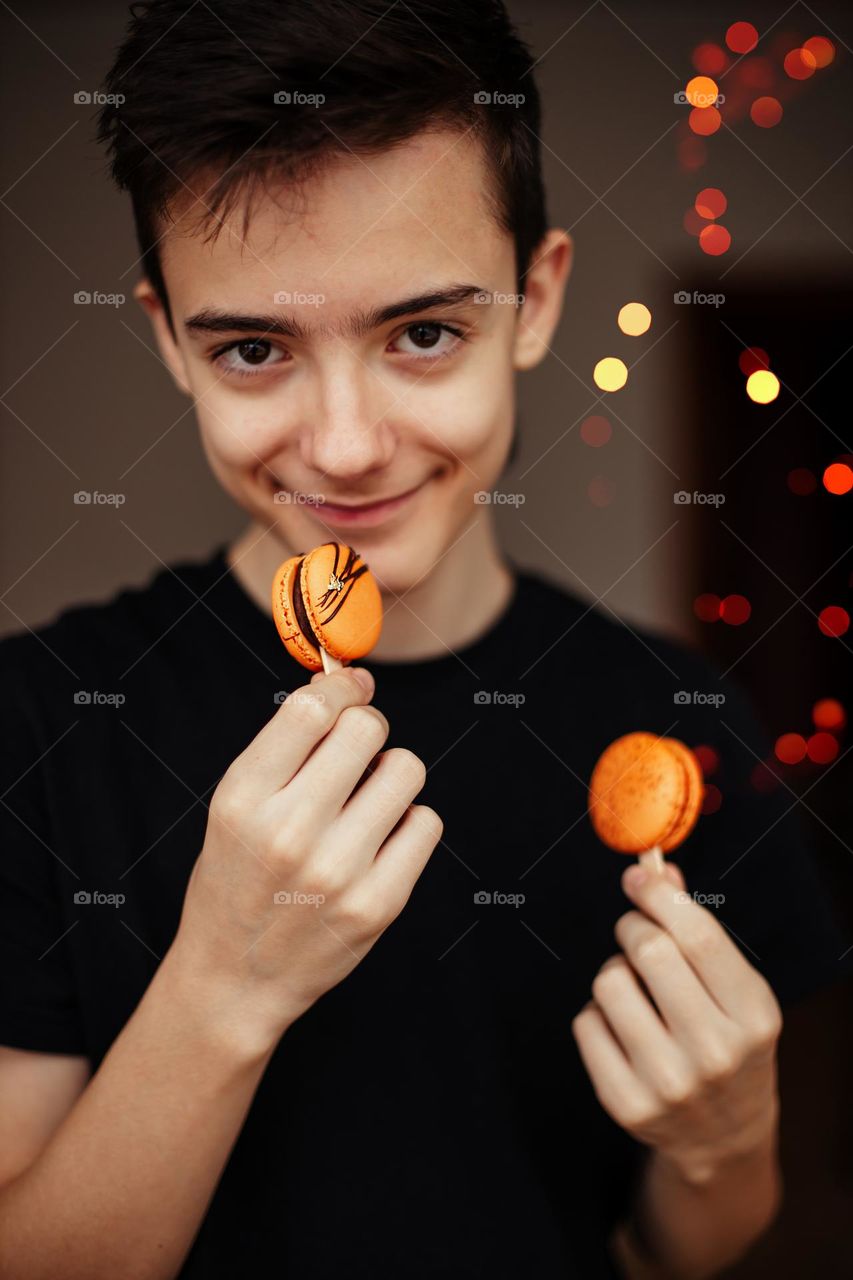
(211, 320)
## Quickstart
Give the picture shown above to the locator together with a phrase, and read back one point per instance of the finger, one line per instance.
(636, 1024)
(701, 939)
(277, 753)
(328, 777)
(686, 1006)
(618, 1088)
(403, 857)
(375, 808)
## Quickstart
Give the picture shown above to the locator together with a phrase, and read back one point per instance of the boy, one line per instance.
(269, 1010)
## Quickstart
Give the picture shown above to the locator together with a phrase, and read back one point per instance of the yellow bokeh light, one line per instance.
(610, 374)
(634, 318)
(762, 386)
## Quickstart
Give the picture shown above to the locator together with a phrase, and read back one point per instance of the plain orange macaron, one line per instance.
(326, 598)
(645, 791)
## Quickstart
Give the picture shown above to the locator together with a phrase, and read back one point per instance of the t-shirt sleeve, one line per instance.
(38, 1003)
(754, 860)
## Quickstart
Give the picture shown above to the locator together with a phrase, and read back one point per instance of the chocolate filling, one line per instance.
(299, 607)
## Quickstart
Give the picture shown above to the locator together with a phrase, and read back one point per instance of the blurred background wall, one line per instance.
(86, 404)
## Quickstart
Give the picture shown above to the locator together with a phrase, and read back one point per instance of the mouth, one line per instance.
(364, 515)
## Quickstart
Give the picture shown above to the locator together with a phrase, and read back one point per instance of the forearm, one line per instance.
(124, 1183)
(688, 1231)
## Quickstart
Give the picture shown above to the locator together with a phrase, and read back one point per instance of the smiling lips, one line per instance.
(362, 515)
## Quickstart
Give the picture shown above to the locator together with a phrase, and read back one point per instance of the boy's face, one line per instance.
(319, 398)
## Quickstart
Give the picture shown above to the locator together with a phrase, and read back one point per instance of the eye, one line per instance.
(427, 339)
(247, 355)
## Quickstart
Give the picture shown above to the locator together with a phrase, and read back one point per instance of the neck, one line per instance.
(466, 591)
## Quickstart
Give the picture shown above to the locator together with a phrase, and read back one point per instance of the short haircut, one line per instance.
(196, 89)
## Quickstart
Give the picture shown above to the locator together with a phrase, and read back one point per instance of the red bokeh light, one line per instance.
(709, 759)
(828, 713)
(821, 49)
(753, 358)
(596, 431)
(790, 748)
(741, 37)
(712, 798)
(799, 64)
(710, 203)
(802, 481)
(707, 608)
(714, 239)
(822, 748)
(709, 59)
(833, 620)
(766, 112)
(838, 478)
(704, 121)
(735, 610)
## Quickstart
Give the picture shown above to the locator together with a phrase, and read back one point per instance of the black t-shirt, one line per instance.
(430, 1115)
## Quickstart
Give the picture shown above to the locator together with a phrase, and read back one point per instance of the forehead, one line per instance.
(359, 228)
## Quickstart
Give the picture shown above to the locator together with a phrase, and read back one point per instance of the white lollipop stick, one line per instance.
(652, 860)
(329, 663)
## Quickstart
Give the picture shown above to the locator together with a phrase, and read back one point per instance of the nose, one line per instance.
(349, 434)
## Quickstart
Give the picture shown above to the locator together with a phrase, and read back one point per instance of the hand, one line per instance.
(303, 812)
(680, 1036)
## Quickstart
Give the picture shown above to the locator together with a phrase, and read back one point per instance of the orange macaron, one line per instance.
(326, 599)
(645, 792)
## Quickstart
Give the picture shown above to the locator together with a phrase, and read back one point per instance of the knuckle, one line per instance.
(675, 1086)
(766, 1026)
(359, 917)
(227, 804)
(365, 726)
(289, 840)
(718, 1062)
(307, 710)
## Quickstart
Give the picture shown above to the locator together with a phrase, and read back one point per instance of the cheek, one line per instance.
(236, 437)
(472, 415)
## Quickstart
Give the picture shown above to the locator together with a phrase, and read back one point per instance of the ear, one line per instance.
(544, 287)
(146, 296)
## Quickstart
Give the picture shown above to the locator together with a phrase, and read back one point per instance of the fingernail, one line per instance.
(364, 678)
(633, 878)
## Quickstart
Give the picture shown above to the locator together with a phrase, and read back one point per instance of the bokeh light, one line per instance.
(802, 481)
(821, 748)
(790, 748)
(707, 607)
(735, 610)
(693, 223)
(709, 59)
(762, 386)
(712, 798)
(828, 713)
(799, 64)
(741, 37)
(634, 318)
(833, 620)
(709, 760)
(766, 112)
(610, 374)
(714, 239)
(752, 358)
(701, 91)
(704, 121)
(600, 491)
(596, 431)
(838, 478)
(821, 49)
(711, 203)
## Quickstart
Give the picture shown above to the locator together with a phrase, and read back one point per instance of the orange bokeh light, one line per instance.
(701, 91)
(799, 64)
(752, 358)
(828, 713)
(802, 481)
(711, 203)
(714, 239)
(833, 620)
(821, 748)
(707, 607)
(704, 121)
(821, 49)
(838, 478)
(741, 37)
(766, 112)
(790, 748)
(596, 431)
(735, 610)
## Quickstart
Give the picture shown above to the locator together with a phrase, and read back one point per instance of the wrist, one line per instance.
(752, 1155)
